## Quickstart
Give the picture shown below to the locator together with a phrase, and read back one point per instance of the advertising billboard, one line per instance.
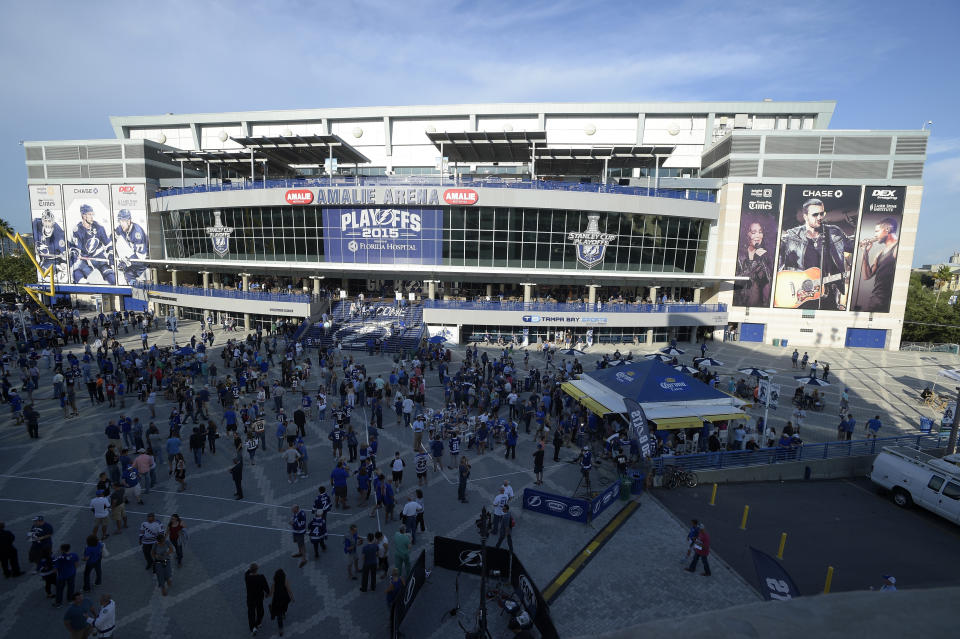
(89, 233)
(383, 235)
(876, 263)
(817, 240)
(757, 245)
(130, 242)
(49, 235)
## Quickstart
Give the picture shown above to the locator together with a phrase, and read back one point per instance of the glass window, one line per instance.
(952, 490)
(935, 483)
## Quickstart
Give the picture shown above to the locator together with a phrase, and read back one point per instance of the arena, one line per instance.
(633, 223)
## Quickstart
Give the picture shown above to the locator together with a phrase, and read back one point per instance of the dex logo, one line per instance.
(884, 194)
(126, 189)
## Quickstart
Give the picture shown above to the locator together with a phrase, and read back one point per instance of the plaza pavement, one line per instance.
(55, 475)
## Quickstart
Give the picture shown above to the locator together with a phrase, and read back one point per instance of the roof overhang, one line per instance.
(488, 146)
(303, 149)
(593, 160)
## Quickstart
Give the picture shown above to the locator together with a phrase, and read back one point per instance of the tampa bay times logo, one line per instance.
(591, 244)
(220, 235)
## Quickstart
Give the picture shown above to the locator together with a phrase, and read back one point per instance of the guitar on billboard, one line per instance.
(796, 287)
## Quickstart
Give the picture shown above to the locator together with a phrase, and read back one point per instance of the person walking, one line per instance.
(395, 587)
(351, 548)
(401, 550)
(369, 574)
(8, 553)
(92, 561)
(177, 533)
(76, 618)
(100, 505)
(507, 522)
(557, 443)
(409, 517)
(257, 590)
(318, 532)
(236, 472)
(463, 474)
(701, 550)
(66, 566)
(291, 456)
(298, 523)
(873, 427)
(282, 598)
(538, 464)
(106, 618)
(162, 556)
(150, 530)
(180, 471)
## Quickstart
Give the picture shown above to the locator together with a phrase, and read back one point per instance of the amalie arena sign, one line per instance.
(381, 196)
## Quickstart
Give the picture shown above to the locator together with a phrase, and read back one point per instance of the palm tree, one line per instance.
(942, 277)
(5, 228)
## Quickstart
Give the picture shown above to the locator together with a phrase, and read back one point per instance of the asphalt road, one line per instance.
(846, 524)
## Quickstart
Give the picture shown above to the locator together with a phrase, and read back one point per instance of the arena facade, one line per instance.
(613, 222)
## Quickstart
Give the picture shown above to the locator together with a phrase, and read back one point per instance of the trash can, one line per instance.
(626, 485)
(776, 342)
(636, 478)
(783, 343)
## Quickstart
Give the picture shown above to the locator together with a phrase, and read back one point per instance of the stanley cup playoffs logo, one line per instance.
(220, 235)
(591, 244)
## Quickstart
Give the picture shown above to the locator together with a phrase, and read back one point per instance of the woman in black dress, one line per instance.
(756, 263)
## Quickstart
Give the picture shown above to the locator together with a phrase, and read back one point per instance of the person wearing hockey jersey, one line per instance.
(91, 249)
(132, 246)
(51, 244)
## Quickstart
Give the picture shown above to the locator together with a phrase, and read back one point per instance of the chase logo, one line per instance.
(672, 385)
(531, 318)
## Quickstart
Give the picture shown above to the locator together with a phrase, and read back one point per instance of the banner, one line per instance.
(768, 390)
(639, 427)
(532, 599)
(774, 581)
(556, 505)
(876, 264)
(415, 581)
(383, 236)
(465, 556)
(89, 236)
(49, 236)
(451, 333)
(605, 499)
(759, 219)
(817, 237)
(130, 242)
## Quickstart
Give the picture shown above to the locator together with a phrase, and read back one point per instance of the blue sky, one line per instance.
(67, 66)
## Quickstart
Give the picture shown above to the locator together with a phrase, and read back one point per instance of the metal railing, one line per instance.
(414, 182)
(929, 347)
(226, 292)
(805, 452)
(574, 307)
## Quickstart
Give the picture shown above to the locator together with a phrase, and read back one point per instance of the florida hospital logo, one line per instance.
(591, 244)
(220, 235)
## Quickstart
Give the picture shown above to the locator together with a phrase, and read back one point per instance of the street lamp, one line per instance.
(926, 124)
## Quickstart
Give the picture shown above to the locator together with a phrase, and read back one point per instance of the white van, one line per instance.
(915, 477)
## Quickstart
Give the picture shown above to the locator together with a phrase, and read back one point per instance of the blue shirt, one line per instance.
(299, 522)
(173, 445)
(873, 424)
(93, 554)
(340, 476)
(66, 566)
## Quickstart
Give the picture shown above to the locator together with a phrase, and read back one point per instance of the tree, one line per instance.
(925, 320)
(5, 228)
(942, 277)
(17, 270)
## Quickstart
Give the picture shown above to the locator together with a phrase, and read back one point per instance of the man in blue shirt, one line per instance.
(338, 479)
(873, 426)
(173, 447)
(66, 564)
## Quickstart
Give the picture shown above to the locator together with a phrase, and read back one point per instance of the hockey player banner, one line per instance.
(130, 242)
(89, 236)
(49, 237)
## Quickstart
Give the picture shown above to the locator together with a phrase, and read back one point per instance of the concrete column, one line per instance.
(431, 289)
(653, 294)
(696, 295)
(527, 293)
(316, 285)
(649, 336)
(592, 294)
(490, 291)
(246, 281)
(246, 322)
(153, 276)
(206, 279)
(173, 276)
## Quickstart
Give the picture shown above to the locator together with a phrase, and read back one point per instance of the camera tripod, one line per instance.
(584, 479)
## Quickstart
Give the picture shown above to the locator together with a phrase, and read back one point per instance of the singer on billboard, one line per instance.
(755, 262)
(879, 266)
(817, 252)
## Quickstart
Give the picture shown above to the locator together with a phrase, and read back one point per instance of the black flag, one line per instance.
(774, 581)
(639, 428)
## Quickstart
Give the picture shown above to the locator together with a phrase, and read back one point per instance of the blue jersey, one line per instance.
(318, 529)
(137, 240)
(92, 242)
(51, 246)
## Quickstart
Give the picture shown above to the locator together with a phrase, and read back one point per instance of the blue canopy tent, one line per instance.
(669, 398)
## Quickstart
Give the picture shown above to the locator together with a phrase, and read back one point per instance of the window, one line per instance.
(935, 483)
(952, 490)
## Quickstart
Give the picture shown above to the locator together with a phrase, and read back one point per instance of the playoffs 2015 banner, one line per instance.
(49, 236)
(383, 236)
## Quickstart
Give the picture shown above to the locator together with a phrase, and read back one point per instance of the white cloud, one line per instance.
(943, 174)
(938, 145)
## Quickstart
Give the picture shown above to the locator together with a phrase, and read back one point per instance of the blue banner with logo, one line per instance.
(383, 235)
(774, 581)
(639, 427)
(605, 499)
(556, 505)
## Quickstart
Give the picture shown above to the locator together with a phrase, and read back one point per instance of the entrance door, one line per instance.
(866, 338)
(751, 332)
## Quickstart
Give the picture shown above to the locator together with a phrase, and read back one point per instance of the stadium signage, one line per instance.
(299, 196)
(463, 197)
(126, 189)
(591, 244)
(220, 235)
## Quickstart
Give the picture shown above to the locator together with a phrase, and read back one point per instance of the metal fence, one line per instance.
(806, 452)
(415, 182)
(574, 307)
(225, 292)
(929, 347)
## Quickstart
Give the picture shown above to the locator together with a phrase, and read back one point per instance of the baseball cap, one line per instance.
(890, 578)
(38, 517)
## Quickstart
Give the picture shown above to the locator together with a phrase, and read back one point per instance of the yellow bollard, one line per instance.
(826, 586)
(743, 522)
(783, 542)
(713, 497)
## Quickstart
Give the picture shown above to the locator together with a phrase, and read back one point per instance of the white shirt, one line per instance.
(101, 507)
(397, 465)
(106, 619)
(508, 491)
(150, 530)
(408, 405)
(498, 503)
(410, 509)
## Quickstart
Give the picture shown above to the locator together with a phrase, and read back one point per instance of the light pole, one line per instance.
(23, 325)
(955, 426)
(926, 124)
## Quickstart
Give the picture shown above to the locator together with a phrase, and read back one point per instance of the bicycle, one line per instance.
(673, 477)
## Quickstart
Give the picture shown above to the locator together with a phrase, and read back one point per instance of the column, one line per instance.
(316, 284)
(246, 281)
(653, 294)
(173, 276)
(649, 336)
(345, 285)
(696, 295)
(527, 293)
(489, 291)
(206, 286)
(246, 322)
(215, 281)
(591, 294)
(432, 289)
(153, 276)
